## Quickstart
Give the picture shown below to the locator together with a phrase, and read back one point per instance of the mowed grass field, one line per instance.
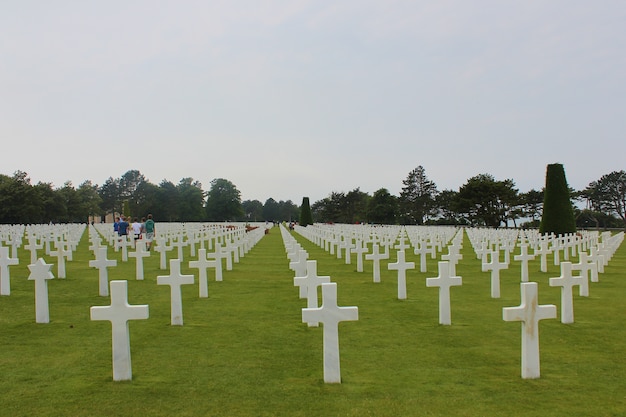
(244, 351)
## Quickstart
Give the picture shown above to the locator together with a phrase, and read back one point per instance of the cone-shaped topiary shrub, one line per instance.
(305, 213)
(558, 213)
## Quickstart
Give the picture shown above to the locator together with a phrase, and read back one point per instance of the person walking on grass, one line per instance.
(149, 229)
(136, 228)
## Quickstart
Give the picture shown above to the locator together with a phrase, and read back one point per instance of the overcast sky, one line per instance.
(300, 98)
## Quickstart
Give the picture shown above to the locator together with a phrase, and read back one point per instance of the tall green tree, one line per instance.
(355, 206)
(383, 207)
(329, 209)
(271, 210)
(223, 201)
(17, 199)
(72, 203)
(253, 210)
(90, 200)
(483, 201)
(128, 184)
(288, 211)
(532, 204)
(147, 201)
(417, 198)
(446, 204)
(167, 199)
(52, 205)
(608, 194)
(110, 196)
(191, 200)
(306, 218)
(558, 212)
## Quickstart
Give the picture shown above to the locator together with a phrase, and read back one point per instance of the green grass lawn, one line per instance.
(245, 352)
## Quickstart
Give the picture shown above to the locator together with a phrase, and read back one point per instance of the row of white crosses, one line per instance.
(64, 237)
(329, 313)
(529, 312)
(400, 240)
(356, 239)
(119, 312)
(40, 271)
(310, 281)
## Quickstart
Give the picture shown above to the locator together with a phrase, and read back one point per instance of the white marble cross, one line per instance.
(32, 246)
(566, 281)
(179, 244)
(524, 257)
(175, 279)
(401, 266)
(543, 252)
(556, 251)
(310, 281)
(483, 252)
(444, 281)
(139, 254)
(583, 258)
(453, 257)
(60, 254)
(348, 245)
(529, 312)
(402, 245)
(40, 273)
(299, 267)
(586, 268)
(124, 243)
(597, 257)
(227, 253)
(5, 277)
(375, 257)
(202, 264)
(494, 265)
(118, 313)
(421, 249)
(102, 263)
(360, 248)
(162, 248)
(329, 314)
(218, 255)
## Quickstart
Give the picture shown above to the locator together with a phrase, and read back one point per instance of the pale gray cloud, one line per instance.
(293, 98)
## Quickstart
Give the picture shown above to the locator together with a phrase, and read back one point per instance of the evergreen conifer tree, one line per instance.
(558, 213)
(305, 213)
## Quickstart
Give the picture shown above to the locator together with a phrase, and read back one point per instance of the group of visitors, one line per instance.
(139, 229)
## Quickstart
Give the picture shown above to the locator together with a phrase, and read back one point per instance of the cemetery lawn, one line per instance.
(244, 351)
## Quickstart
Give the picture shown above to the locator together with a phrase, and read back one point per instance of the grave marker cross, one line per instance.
(529, 312)
(5, 277)
(310, 282)
(401, 266)
(299, 267)
(360, 248)
(375, 257)
(524, 257)
(444, 281)
(101, 262)
(495, 266)
(175, 279)
(118, 313)
(566, 281)
(202, 264)
(329, 314)
(139, 254)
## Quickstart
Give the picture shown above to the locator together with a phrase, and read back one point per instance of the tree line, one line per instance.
(481, 201)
